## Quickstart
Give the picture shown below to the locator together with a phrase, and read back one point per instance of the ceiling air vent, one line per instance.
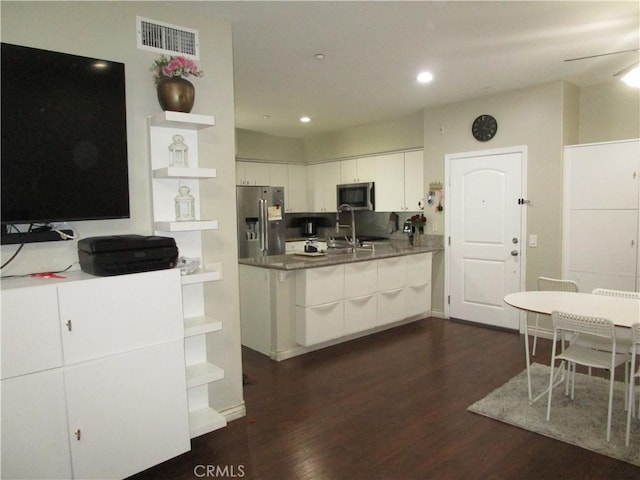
(165, 38)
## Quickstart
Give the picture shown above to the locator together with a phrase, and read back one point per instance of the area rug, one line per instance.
(581, 422)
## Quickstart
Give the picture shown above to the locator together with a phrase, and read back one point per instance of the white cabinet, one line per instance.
(600, 222)
(323, 178)
(340, 300)
(296, 190)
(117, 404)
(34, 425)
(252, 173)
(399, 181)
(389, 182)
(414, 194)
(199, 323)
(30, 330)
(357, 170)
(127, 412)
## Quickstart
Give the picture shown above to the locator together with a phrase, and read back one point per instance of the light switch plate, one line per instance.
(533, 240)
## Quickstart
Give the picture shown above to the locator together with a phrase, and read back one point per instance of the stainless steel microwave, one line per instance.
(361, 196)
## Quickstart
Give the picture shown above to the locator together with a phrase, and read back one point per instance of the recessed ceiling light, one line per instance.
(266, 116)
(319, 56)
(305, 119)
(424, 77)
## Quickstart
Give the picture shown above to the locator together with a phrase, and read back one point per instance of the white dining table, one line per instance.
(623, 312)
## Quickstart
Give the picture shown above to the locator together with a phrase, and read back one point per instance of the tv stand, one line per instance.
(32, 237)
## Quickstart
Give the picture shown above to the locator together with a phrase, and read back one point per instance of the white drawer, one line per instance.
(418, 269)
(418, 300)
(360, 278)
(316, 286)
(320, 323)
(391, 306)
(391, 273)
(360, 314)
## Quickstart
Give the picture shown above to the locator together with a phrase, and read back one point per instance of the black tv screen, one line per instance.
(64, 137)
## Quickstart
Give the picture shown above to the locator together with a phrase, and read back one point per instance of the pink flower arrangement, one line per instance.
(167, 67)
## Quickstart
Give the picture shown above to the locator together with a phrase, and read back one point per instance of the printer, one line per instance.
(122, 254)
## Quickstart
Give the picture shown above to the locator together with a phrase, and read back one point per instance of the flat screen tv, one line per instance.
(64, 138)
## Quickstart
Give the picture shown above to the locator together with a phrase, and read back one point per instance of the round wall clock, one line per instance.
(484, 128)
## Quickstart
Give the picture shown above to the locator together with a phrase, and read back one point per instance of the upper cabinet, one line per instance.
(295, 191)
(252, 173)
(399, 179)
(600, 224)
(357, 170)
(323, 178)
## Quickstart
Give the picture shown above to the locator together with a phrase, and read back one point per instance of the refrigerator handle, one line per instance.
(262, 225)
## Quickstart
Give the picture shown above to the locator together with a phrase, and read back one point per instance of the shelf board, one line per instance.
(188, 226)
(201, 276)
(200, 325)
(203, 373)
(205, 420)
(181, 172)
(187, 121)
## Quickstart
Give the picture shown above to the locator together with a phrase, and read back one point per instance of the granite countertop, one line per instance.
(380, 250)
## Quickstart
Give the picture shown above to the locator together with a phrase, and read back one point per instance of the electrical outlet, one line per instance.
(533, 241)
(434, 227)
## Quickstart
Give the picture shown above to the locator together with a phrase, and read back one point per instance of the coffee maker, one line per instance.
(309, 227)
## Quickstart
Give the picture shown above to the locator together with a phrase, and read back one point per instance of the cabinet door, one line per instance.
(389, 174)
(413, 180)
(366, 169)
(612, 256)
(257, 173)
(127, 412)
(602, 176)
(279, 176)
(116, 314)
(348, 171)
(297, 187)
(30, 330)
(324, 178)
(34, 427)
(417, 300)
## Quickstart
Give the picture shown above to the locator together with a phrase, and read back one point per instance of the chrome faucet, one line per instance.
(353, 243)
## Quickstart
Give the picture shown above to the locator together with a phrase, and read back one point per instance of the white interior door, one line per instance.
(484, 230)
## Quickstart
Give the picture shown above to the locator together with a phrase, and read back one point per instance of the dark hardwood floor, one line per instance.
(388, 406)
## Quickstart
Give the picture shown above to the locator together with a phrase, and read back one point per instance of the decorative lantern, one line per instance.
(185, 205)
(178, 152)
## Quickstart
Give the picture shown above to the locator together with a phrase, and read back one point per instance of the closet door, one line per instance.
(601, 203)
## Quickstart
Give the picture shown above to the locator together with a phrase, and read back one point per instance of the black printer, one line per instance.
(122, 254)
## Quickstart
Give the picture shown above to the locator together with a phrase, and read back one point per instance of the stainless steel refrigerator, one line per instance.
(261, 223)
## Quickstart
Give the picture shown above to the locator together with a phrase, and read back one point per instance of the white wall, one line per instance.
(107, 30)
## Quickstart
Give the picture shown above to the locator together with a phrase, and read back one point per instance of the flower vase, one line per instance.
(416, 236)
(176, 94)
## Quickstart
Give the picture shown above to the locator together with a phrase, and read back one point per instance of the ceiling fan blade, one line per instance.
(601, 55)
(624, 71)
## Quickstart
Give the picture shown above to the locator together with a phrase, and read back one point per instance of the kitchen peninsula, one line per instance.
(294, 304)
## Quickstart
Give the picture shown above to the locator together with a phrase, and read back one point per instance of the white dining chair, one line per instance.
(635, 373)
(551, 284)
(575, 354)
(616, 293)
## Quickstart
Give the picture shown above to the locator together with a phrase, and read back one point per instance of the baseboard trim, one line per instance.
(234, 412)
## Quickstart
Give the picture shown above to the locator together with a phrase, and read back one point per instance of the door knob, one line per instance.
(514, 253)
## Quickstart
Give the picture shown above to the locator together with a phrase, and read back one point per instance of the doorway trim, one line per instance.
(519, 149)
